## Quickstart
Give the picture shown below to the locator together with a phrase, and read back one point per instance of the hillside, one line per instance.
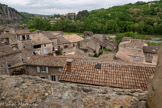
(141, 17)
(9, 15)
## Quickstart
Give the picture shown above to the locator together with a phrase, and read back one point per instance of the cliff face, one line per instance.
(155, 86)
(27, 91)
(9, 15)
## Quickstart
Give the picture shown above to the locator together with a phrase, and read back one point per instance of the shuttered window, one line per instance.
(54, 78)
(43, 69)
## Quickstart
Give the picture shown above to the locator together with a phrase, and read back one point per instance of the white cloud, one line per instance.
(62, 6)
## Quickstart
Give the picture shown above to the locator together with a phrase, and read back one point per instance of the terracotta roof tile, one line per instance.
(46, 61)
(8, 50)
(39, 38)
(114, 75)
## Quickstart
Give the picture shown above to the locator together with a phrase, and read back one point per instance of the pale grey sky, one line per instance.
(62, 6)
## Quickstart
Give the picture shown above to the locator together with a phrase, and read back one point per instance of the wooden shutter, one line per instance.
(38, 69)
(56, 78)
(20, 37)
(47, 69)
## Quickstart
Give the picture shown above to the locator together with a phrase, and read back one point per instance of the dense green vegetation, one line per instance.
(141, 17)
(134, 35)
(27, 17)
(39, 24)
(154, 43)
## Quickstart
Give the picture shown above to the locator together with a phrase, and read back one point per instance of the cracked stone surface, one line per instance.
(33, 92)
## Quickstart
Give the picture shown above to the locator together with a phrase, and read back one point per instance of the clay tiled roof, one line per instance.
(113, 75)
(61, 40)
(8, 50)
(46, 61)
(39, 38)
(24, 31)
(52, 34)
(73, 38)
(7, 35)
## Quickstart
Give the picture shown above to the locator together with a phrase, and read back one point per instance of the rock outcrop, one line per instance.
(27, 91)
(155, 86)
(9, 15)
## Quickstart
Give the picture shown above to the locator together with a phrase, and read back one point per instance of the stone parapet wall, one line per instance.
(22, 91)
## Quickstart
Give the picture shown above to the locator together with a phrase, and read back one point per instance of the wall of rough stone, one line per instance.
(155, 86)
(22, 91)
(9, 60)
(32, 70)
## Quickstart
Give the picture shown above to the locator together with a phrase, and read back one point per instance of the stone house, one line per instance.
(9, 56)
(74, 39)
(132, 51)
(54, 20)
(89, 46)
(63, 45)
(93, 44)
(70, 16)
(46, 67)
(107, 74)
(8, 39)
(53, 36)
(105, 42)
(23, 39)
(68, 43)
(41, 44)
(137, 51)
(88, 34)
(151, 54)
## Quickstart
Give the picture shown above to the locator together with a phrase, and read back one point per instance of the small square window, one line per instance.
(43, 69)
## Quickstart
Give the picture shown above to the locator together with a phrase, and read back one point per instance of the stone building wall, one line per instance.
(8, 61)
(14, 59)
(130, 54)
(27, 44)
(55, 71)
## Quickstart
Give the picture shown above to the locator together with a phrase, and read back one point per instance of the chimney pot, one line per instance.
(69, 65)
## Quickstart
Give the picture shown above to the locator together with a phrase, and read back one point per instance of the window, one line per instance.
(66, 46)
(37, 46)
(44, 45)
(54, 78)
(44, 69)
(28, 37)
(23, 37)
(43, 77)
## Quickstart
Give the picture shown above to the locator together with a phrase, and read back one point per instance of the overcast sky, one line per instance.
(49, 7)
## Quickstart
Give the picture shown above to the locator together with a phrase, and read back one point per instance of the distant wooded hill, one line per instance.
(141, 17)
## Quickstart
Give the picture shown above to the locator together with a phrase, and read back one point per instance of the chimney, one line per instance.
(69, 65)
